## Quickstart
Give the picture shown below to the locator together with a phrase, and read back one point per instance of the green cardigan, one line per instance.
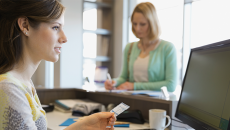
(162, 68)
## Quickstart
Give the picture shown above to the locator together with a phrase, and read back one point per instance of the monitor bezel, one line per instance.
(196, 124)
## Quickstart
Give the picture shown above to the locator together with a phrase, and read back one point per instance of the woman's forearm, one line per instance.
(74, 126)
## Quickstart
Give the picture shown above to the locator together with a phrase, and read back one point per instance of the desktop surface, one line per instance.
(55, 118)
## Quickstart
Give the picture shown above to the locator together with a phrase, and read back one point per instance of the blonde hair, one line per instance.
(149, 12)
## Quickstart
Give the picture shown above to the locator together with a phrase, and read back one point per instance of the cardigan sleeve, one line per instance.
(124, 73)
(170, 81)
(15, 111)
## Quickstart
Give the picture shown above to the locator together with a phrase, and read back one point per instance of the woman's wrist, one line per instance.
(115, 83)
(134, 88)
(75, 126)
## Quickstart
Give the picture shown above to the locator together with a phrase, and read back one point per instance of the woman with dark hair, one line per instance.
(31, 31)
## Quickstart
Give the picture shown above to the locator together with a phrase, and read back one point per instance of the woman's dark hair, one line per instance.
(36, 11)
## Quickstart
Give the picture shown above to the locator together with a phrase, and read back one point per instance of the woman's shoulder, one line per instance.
(5, 78)
(166, 45)
(7, 81)
(129, 45)
(134, 43)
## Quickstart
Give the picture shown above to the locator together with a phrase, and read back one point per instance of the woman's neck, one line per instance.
(146, 42)
(25, 68)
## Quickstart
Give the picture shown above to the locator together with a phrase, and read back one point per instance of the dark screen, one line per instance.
(205, 97)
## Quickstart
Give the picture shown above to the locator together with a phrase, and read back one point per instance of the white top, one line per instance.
(20, 109)
(140, 69)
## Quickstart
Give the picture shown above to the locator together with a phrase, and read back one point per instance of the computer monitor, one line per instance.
(205, 97)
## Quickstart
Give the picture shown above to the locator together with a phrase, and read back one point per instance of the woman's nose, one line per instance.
(63, 38)
(137, 28)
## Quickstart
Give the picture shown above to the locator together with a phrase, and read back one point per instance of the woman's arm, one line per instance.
(98, 121)
(124, 73)
(170, 73)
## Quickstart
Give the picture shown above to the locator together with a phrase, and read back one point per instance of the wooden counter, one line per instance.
(140, 102)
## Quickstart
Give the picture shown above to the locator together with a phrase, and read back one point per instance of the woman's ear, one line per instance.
(23, 25)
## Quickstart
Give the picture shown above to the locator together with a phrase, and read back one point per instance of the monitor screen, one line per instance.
(205, 97)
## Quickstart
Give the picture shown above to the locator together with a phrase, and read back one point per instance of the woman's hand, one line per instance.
(126, 86)
(98, 121)
(109, 85)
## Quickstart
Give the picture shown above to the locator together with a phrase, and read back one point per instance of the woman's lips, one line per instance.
(57, 49)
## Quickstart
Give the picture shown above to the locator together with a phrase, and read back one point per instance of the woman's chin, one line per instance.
(140, 37)
(53, 59)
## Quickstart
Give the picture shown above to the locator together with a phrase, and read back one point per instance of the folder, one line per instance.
(70, 121)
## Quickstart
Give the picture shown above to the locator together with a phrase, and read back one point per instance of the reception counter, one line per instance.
(136, 102)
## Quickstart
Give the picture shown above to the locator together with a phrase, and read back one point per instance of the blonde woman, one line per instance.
(31, 31)
(150, 63)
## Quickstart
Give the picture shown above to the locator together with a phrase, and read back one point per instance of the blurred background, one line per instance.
(98, 30)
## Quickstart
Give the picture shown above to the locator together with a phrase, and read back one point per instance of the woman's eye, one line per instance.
(142, 24)
(55, 28)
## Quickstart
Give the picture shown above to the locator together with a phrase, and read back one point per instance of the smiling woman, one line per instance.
(27, 35)
(12, 34)
(31, 31)
(46, 40)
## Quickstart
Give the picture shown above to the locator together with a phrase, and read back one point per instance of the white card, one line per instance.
(119, 109)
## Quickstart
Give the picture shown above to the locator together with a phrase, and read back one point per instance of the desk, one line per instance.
(55, 118)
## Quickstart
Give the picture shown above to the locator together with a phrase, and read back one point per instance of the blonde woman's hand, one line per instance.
(109, 85)
(126, 86)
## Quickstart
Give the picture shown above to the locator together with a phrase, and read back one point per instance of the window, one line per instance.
(210, 22)
(205, 22)
(89, 43)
